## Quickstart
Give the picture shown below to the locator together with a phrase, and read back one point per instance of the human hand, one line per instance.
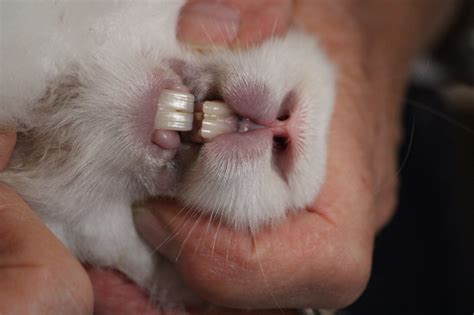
(317, 258)
(37, 274)
(202, 24)
(52, 266)
(320, 257)
(346, 215)
(205, 23)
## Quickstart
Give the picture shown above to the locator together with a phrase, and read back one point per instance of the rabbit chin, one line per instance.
(251, 179)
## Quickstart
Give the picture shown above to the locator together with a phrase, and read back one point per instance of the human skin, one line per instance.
(317, 258)
(320, 257)
(37, 273)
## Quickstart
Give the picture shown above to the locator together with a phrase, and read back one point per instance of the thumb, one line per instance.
(35, 266)
(205, 23)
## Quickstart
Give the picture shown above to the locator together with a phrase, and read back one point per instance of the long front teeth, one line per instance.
(175, 111)
(218, 119)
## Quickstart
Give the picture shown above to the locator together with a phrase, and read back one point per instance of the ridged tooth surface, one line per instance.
(176, 101)
(216, 108)
(218, 119)
(213, 128)
(174, 121)
(175, 111)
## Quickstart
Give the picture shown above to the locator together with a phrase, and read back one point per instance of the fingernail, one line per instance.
(208, 24)
(154, 232)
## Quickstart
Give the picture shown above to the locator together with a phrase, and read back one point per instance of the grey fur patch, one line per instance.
(39, 142)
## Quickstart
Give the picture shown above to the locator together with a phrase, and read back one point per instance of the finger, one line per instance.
(7, 143)
(111, 289)
(317, 258)
(232, 22)
(307, 261)
(35, 267)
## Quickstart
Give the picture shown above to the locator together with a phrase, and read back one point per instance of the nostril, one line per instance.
(287, 107)
(282, 154)
(280, 143)
(283, 117)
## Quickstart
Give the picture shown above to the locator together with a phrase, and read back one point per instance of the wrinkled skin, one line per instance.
(318, 258)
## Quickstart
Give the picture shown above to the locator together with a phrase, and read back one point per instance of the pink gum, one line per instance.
(168, 139)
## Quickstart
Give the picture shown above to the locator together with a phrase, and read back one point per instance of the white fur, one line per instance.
(112, 48)
(254, 193)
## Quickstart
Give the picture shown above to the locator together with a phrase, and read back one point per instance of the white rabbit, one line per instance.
(80, 81)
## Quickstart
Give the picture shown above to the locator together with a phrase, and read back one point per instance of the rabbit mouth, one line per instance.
(227, 116)
(201, 122)
(222, 133)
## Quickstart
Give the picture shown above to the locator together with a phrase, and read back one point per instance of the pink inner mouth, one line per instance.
(255, 118)
(242, 125)
(171, 140)
(166, 139)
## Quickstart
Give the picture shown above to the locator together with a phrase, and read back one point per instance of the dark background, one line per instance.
(424, 258)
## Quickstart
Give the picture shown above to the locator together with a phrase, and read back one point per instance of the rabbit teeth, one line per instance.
(217, 119)
(175, 111)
